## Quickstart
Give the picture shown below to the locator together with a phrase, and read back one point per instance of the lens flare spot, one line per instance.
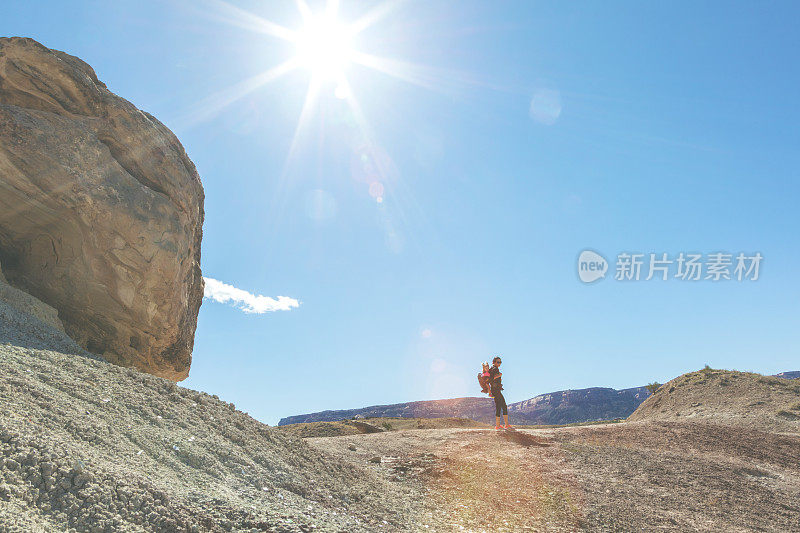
(376, 190)
(545, 106)
(448, 386)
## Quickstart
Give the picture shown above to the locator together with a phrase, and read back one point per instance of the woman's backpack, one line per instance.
(483, 378)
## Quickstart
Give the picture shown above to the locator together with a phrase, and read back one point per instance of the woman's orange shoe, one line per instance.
(507, 427)
(497, 427)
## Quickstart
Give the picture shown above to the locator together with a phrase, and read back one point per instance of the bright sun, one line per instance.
(324, 47)
(327, 47)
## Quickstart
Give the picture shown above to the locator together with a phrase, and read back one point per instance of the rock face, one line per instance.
(582, 405)
(101, 211)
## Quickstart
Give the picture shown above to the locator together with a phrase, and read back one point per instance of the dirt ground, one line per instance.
(91, 447)
(665, 476)
(373, 425)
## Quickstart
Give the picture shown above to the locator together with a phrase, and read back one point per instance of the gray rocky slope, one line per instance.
(89, 446)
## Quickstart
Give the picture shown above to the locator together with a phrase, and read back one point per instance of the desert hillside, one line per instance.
(727, 397)
(88, 445)
(95, 447)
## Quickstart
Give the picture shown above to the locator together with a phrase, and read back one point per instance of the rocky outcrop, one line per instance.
(101, 211)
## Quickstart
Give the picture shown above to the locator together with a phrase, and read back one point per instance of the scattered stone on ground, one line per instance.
(92, 447)
(95, 447)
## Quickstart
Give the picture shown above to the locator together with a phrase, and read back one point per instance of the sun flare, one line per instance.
(324, 47)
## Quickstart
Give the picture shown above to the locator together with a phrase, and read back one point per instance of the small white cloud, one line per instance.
(249, 303)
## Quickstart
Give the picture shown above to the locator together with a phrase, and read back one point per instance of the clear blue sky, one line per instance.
(656, 127)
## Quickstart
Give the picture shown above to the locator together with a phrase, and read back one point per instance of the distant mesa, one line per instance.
(561, 407)
(101, 212)
(582, 405)
(472, 408)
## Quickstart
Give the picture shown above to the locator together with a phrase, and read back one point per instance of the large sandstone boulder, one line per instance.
(101, 211)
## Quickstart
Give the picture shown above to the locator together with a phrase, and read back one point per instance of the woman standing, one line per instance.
(495, 380)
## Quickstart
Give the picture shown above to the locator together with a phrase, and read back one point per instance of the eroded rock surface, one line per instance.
(101, 211)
